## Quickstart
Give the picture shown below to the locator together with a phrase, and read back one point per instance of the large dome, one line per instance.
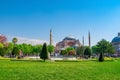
(69, 38)
(116, 39)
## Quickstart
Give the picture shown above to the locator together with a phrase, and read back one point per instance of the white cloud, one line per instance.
(27, 40)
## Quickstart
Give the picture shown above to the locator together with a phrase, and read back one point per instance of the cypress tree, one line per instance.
(44, 52)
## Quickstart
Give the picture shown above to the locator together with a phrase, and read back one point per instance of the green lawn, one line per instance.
(31, 70)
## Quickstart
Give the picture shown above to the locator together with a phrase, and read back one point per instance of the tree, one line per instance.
(10, 48)
(80, 51)
(1, 45)
(71, 51)
(25, 48)
(87, 52)
(3, 39)
(104, 47)
(15, 51)
(14, 40)
(95, 49)
(63, 52)
(111, 49)
(1, 49)
(44, 52)
(50, 48)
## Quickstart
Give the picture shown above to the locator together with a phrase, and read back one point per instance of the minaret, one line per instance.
(83, 40)
(50, 36)
(89, 39)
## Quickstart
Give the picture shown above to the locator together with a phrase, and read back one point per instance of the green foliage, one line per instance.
(14, 40)
(29, 49)
(71, 51)
(111, 49)
(101, 58)
(1, 49)
(44, 52)
(15, 51)
(80, 50)
(1, 45)
(1, 52)
(37, 49)
(87, 51)
(10, 47)
(104, 46)
(63, 52)
(50, 48)
(95, 49)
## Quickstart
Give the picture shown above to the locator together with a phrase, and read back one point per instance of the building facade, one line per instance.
(116, 44)
(67, 42)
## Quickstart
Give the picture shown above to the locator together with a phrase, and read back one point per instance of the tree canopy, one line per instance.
(14, 40)
(104, 46)
(87, 52)
(50, 48)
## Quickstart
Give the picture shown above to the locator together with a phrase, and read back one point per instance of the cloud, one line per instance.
(27, 40)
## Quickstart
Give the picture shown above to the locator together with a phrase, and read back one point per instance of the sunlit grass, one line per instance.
(37, 70)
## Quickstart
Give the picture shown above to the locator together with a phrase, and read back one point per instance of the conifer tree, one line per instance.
(44, 52)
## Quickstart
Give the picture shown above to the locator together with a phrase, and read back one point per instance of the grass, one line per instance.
(37, 70)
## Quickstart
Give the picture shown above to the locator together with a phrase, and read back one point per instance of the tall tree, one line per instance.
(44, 52)
(104, 47)
(14, 40)
(87, 52)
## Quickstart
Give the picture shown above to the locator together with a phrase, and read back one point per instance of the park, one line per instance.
(59, 39)
(59, 70)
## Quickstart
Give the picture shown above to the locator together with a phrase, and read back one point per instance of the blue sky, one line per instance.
(34, 18)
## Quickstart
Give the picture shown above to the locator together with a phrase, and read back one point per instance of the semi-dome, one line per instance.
(116, 39)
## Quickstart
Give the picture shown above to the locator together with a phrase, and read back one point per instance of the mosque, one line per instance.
(69, 42)
(116, 44)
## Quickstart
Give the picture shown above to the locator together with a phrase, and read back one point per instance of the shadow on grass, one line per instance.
(26, 60)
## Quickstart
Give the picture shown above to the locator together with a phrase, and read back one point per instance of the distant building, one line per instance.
(116, 44)
(67, 42)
